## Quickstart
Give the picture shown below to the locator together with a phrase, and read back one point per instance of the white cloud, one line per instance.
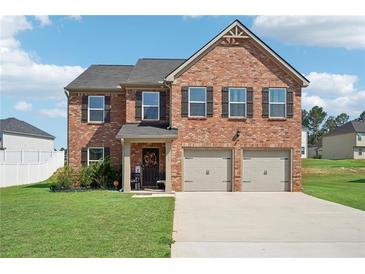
(23, 106)
(43, 20)
(23, 75)
(324, 31)
(336, 93)
(53, 112)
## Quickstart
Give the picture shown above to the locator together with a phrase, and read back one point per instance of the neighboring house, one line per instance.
(304, 148)
(315, 151)
(228, 118)
(345, 142)
(18, 135)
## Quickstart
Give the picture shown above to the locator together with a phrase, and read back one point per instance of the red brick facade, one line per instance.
(245, 66)
(242, 65)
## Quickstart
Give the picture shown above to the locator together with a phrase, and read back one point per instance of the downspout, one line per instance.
(68, 129)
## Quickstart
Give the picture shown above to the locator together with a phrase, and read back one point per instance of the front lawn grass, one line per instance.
(340, 181)
(38, 223)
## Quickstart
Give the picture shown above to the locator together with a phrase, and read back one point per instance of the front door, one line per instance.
(150, 166)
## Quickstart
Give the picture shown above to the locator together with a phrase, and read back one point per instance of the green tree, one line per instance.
(362, 116)
(304, 118)
(342, 119)
(316, 117)
(329, 124)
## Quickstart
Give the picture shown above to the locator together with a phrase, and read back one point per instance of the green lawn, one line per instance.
(340, 181)
(39, 223)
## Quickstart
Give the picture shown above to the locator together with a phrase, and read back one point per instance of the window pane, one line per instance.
(96, 116)
(95, 153)
(237, 110)
(197, 109)
(277, 95)
(197, 94)
(277, 110)
(96, 102)
(150, 99)
(150, 113)
(237, 95)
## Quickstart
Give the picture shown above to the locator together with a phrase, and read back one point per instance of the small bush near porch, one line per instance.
(38, 223)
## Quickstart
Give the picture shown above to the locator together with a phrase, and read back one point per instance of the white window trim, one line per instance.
(201, 102)
(360, 151)
(88, 109)
(277, 103)
(88, 149)
(158, 105)
(229, 103)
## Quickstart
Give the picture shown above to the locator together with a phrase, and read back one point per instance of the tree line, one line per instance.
(317, 124)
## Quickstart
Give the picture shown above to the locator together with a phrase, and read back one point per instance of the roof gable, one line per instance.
(349, 127)
(231, 34)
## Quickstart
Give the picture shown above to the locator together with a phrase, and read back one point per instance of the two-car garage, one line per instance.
(212, 169)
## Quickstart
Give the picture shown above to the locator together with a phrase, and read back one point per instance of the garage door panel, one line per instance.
(207, 170)
(266, 171)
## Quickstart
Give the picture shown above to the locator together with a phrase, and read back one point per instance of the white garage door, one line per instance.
(266, 171)
(207, 170)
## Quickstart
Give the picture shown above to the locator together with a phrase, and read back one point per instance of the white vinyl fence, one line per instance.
(27, 167)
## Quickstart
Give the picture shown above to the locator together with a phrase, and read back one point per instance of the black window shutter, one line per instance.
(84, 156)
(224, 102)
(265, 102)
(106, 152)
(107, 108)
(249, 102)
(289, 103)
(184, 101)
(209, 101)
(138, 108)
(84, 109)
(163, 106)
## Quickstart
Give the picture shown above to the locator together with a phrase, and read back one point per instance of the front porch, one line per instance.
(146, 158)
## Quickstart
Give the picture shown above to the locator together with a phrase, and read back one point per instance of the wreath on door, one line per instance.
(150, 159)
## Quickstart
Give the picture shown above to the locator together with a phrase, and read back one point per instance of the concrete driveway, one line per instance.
(265, 225)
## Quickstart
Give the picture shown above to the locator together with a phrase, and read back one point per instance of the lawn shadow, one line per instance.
(357, 181)
(41, 185)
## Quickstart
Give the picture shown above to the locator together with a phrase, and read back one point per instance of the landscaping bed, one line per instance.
(340, 181)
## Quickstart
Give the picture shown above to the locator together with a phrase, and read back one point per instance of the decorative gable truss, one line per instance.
(234, 36)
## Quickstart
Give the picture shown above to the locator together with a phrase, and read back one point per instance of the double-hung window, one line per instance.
(359, 137)
(94, 154)
(96, 109)
(237, 102)
(197, 102)
(277, 102)
(151, 105)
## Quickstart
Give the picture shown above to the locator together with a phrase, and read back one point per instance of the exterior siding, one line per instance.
(21, 142)
(357, 155)
(305, 143)
(360, 143)
(338, 146)
(244, 65)
(94, 135)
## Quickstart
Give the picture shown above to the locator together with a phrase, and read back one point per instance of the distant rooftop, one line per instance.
(13, 125)
(352, 126)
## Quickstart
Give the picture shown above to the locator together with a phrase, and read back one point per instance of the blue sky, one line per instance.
(42, 54)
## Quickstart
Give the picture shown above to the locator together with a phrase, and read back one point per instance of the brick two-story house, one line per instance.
(228, 118)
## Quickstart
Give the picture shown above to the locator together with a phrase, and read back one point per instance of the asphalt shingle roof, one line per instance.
(146, 71)
(352, 126)
(13, 125)
(152, 71)
(145, 131)
(101, 76)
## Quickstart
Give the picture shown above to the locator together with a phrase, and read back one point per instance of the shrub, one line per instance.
(103, 174)
(85, 176)
(63, 179)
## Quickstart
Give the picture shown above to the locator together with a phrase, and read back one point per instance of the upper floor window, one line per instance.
(94, 154)
(359, 137)
(96, 109)
(197, 101)
(277, 102)
(237, 102)
(150, 105)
